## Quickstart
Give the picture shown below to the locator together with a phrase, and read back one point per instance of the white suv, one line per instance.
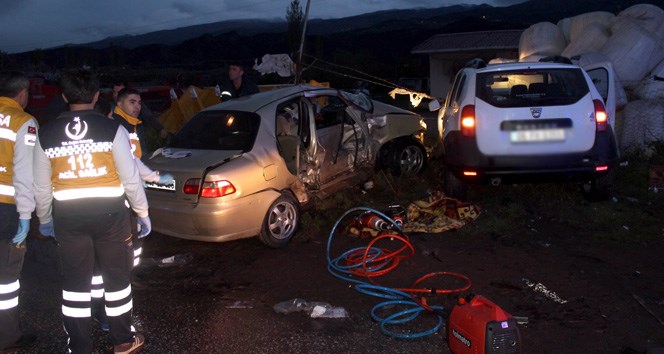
(530, 122)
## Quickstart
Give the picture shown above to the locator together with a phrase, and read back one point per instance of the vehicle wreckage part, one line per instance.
(280, 222)
(370, 262)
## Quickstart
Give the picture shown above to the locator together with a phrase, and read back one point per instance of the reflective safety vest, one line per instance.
(131, 123)
(12, 118)
(79, 145)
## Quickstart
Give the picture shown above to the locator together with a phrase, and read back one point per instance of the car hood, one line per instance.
(169, 159)
(381, 108)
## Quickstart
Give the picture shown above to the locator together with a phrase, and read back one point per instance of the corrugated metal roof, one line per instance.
(469, 41)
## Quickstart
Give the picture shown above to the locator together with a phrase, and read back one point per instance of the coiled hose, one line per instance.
(370, 262)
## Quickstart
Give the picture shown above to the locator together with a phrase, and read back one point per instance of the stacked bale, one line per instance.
(633, 42)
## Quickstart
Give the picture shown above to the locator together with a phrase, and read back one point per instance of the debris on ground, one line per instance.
(541, 288)
(240, 304)
(174, 260)
(439, 213)
(315, 309)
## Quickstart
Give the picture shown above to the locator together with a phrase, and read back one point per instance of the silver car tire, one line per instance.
(408, 158)
(281, 221)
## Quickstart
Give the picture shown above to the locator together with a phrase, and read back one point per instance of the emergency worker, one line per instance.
(126, 111)
(145, 116)
(148, 175)
(18, 132)
(84, 173)
(128, 108)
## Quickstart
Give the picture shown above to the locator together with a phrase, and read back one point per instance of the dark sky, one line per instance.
(30, 24)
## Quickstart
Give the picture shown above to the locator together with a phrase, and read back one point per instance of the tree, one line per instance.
(294, 17)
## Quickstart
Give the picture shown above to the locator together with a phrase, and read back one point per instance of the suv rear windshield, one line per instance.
(531, 87)
(218, 130)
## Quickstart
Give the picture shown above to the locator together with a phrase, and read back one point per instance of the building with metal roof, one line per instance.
(448, 52)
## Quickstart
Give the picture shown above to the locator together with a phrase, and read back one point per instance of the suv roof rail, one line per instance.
(556, 59)
(476, 63)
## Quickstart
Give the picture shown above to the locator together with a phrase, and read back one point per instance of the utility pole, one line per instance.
(298, 64)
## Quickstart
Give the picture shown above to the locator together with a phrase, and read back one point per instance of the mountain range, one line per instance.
(378, 43)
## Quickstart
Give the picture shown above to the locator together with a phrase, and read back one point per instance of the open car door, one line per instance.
(603, 77)
(338, 135)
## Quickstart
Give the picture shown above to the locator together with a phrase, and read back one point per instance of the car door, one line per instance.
(602, 75)
(337, 137)
(448, 117)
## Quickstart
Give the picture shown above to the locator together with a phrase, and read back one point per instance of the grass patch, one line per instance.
(541, 211)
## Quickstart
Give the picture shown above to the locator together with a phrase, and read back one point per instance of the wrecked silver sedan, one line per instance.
(244, 167)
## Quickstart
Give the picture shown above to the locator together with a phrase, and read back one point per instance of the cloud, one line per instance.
(11, 7)
(190, 8)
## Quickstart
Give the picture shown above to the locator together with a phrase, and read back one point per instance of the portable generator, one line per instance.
(480, 326)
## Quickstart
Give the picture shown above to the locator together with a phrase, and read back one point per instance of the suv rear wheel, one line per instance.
(280, 222)
(454, 187)
(599, 188)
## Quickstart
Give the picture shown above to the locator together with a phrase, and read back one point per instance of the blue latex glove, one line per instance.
(144, 226)
(47, 229)
(166, 178)
(22, 232)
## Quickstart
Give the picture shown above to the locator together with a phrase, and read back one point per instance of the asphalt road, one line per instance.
(221, 301)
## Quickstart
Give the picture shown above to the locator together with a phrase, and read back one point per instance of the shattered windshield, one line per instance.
(218, 130)
(359, 99)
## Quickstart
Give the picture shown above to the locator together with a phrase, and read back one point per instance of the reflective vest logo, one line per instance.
(4, 120)
(75, 132)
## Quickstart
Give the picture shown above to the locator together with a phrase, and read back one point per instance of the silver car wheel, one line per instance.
(282, 220)
(411, 160)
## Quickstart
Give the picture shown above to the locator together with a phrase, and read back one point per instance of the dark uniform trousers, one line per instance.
(97, 293)
(86, 237)
(11, 262)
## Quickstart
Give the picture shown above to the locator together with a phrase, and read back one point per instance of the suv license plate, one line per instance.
(527, 136)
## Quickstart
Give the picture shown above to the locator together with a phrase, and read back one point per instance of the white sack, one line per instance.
(643, 122)
(532, 58)
(648, 16)
(502, 60)
(564, 26)
(658, 70)
(579, 24)
(650, 88)
(276, 63)
(633, 51)
(594, 36)
(543, 38)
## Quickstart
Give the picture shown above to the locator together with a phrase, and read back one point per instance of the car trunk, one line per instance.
(185, 165)
(514, 131)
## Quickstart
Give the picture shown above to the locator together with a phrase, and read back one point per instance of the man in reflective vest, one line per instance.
(130, 102)
(126, 111)
(84, 173)
(18, 132)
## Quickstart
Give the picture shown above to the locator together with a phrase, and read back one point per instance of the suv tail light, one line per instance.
(211, 189)
(468, 121)
(601, 118)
